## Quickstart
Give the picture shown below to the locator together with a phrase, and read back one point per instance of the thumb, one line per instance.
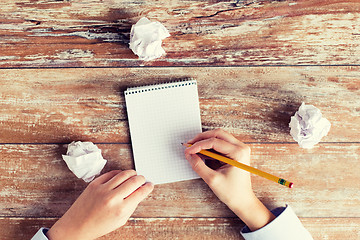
(199, 166)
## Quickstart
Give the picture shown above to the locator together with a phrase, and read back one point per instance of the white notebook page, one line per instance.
(161, 117)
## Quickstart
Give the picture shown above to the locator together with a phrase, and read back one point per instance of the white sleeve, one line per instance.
(40, 235)
(285, 226)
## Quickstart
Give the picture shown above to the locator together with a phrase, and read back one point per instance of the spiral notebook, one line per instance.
(161, 117)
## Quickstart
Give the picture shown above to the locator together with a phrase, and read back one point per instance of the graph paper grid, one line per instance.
(161, 117)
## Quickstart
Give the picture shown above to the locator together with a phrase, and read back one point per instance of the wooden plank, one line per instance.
(36, 182)
(255, 104)
(186, 228)
(138, 228)
(96, 33)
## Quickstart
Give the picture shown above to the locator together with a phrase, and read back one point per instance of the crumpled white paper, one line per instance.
(146, 38)
(84, 159)
(307, 126)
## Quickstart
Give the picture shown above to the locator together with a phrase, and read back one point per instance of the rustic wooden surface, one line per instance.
(253, 32)
(254, 103)
(65, 64)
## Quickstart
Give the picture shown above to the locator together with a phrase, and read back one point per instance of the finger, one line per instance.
(106, 176)
(119, 178)
(129, 186)
(218, 145)
(200, 167)
(133, 200)
(233, 151)
(217, 133)
(141, 193)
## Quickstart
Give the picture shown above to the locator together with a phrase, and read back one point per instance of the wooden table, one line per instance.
(65, 65)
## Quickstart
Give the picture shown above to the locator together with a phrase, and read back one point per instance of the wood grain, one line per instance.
(260, 32)
(36, 182)
(65, 64)
(186, 228)
(255, 104)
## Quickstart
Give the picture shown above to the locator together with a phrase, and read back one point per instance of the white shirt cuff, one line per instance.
(40, 235)
(285, 226)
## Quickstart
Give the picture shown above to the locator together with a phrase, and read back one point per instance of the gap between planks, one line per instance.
(185, 66)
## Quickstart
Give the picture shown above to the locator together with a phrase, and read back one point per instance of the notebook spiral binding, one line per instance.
(160, 86)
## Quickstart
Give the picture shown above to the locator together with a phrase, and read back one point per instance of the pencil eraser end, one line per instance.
(291, 185)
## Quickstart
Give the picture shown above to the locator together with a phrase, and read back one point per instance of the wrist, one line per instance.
(254, 214)
(241, 205)
(60, 231)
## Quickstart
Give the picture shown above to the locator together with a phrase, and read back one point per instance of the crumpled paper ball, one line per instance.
(84, 159)
(307, 126)
(146, 38)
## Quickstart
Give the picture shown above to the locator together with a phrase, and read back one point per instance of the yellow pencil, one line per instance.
(244, 167)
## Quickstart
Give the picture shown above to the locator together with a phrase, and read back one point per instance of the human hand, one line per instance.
(230, 184)
(105, 205)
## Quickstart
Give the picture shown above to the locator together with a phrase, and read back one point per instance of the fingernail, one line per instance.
(186, 145)
(150, 183)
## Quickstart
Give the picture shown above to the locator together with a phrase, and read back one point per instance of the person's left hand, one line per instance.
(105, 205)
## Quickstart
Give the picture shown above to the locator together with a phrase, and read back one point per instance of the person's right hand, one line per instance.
(230, 184)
